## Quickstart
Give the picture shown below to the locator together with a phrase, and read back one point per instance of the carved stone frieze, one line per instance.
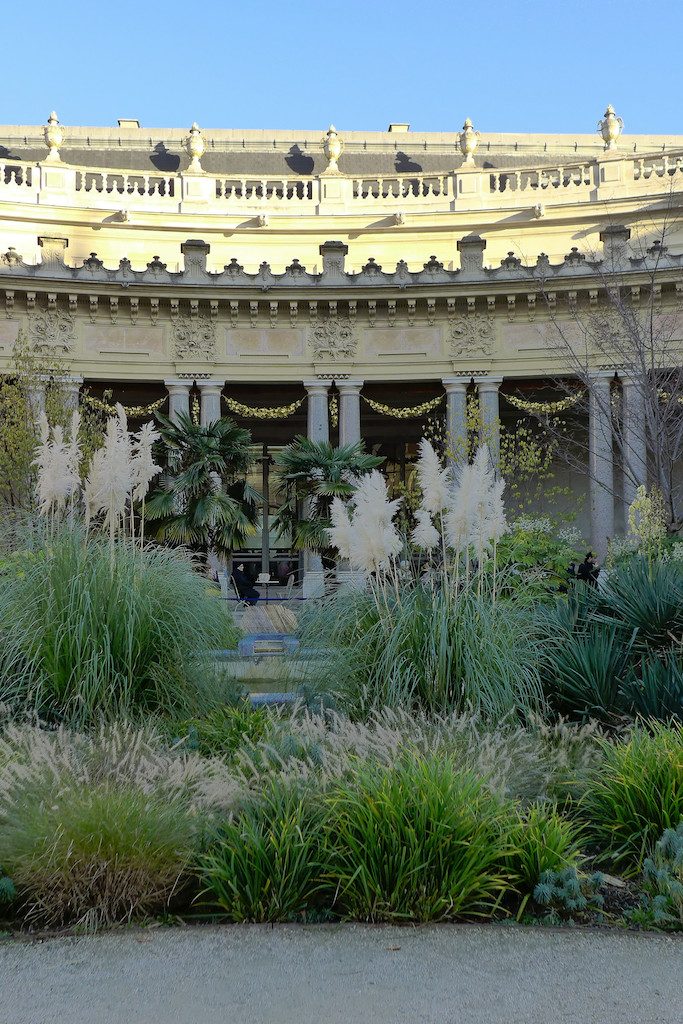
(51, 331)
(471, 334)
(333, 337)
(194, 337)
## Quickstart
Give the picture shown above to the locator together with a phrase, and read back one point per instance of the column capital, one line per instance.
(488, 383)
(599, 375)
(208, 385)
(456, 383)
(349, 385)
(177, 383)
(317, 385)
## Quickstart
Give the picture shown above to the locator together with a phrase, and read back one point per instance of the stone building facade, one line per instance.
(373, 270)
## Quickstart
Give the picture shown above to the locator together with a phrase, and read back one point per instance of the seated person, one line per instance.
(244, 585)
(588, 570)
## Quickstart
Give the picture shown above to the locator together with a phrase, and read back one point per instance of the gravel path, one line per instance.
(343, 974)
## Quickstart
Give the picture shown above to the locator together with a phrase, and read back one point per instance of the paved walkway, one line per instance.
(344, 974)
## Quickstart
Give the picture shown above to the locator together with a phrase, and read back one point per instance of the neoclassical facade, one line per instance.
(334, 276)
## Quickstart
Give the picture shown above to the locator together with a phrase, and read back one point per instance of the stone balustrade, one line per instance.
(469, 186)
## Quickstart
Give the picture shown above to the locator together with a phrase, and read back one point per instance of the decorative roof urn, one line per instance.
(333, 147)
(54, 137)
(196, 147)
(610, 127)
(469, 140)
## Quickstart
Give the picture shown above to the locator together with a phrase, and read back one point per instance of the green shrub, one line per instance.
(225, 730)
(265, 864)
(542, 840)
(539, 557)
(429, 649)
(417, 841)
(82, 634)
(636, 793)
(7, 888)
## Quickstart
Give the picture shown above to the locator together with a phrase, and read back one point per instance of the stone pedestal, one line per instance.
(456, 419)
(313, 583)
(349, 411)
(601, 462)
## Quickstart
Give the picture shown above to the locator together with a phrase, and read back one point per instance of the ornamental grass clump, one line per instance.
(635, 794)
(265, 864)
(96, 829)
(92, 630)
(417, 841)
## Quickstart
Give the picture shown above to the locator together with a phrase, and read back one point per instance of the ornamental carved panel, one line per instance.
(333, 337)
(194, 337)
(471, 334)
(51, 330)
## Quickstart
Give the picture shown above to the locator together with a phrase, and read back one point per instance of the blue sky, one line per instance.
(510, 65)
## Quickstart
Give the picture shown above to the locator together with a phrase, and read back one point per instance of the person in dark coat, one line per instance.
(244, 585)
(588, 570)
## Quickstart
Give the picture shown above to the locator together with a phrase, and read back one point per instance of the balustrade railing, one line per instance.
(484, 186)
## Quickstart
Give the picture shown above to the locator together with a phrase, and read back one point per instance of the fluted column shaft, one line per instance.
(456, 419)
(349, 411)
(600, 461)
(489, 405)
(178, 398)
(635, 442)
(318, 430)
(210, 407)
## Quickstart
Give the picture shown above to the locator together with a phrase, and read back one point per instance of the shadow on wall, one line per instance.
(164, 160)
(299, 162)
(404, 165)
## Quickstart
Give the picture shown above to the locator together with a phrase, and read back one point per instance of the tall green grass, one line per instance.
(429, 649)
(84, 633)
(635, 794)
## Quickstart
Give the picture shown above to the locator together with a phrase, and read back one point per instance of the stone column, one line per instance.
(36, 399)
(456, 419)
(178, 398)
(349, 411)
(318, 430)
(635, 442)
(490, 414)
(210, 409)
(318, 413)
(72, 388)
(600, 461)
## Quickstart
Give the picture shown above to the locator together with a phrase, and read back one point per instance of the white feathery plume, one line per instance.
(433, 479)
(425, 535)
(340, 532)
(375, 541)
(143, 466)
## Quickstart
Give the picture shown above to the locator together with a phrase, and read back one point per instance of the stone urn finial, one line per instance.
(54, 137)
(196, 147)
(469, 140)
(610, 127)
(333, 147)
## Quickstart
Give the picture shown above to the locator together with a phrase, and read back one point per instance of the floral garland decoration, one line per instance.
(133, 412)
(408, 412)
(334, 411)
(279, 412)
(545, 408)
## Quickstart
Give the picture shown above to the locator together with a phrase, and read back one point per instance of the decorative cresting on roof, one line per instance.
(616, 257)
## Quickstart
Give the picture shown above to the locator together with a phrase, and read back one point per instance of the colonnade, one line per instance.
(600, 435)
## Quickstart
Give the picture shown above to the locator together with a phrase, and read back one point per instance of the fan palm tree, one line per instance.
(205, 502)
(312, 473)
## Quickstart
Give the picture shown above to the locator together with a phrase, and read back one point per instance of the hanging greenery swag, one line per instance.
(133, 412)
(545, 408)
(278, 412)
(407, 412)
